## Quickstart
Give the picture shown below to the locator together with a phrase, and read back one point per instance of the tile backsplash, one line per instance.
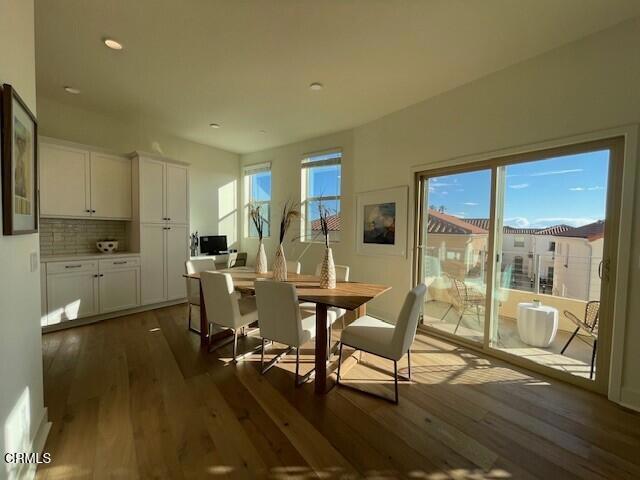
(62, 236)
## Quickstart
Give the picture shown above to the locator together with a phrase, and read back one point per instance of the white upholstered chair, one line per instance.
(384, 339)
(223, 307)
(193, 286)
(282, 321)
(293, 266)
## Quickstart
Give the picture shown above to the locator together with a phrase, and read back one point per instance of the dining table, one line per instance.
(351, 296)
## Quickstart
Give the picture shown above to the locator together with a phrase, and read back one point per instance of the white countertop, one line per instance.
(85, 256)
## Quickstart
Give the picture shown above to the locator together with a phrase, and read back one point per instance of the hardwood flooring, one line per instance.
(133, 397)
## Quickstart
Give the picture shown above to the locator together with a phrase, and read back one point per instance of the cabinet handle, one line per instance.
(93, 211)
(168, 218)
(120, 263)
(96, 276)
(72, 266)
(102, 274)
(88, 211)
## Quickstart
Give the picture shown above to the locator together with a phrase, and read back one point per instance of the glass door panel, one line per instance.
(454, 243)
(550, 232)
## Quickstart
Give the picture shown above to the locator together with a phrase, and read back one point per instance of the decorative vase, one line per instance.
(261, 259)
(328, 270)
(280, 266)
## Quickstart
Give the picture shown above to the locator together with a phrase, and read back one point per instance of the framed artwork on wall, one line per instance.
(19, 160)
(381, 222)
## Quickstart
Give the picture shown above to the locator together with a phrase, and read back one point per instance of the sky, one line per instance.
(569, 189)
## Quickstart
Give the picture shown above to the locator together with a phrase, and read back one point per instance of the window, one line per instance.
(518, 242)
(517, 264)
(321, 178)
(257, 187)
(552, 246)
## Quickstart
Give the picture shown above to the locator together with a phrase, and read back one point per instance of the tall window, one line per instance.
(321, 178)
(518, 242)
(257, 187)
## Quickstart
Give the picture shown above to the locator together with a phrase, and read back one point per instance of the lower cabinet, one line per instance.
(164, 252)
(82, 289)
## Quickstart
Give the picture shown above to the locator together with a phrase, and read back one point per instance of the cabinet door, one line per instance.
(71, 296)
(176, 257)
(119, 289)
(152, 181)
(177, 194)
(152, 258)
(110, 186)
(64, 181)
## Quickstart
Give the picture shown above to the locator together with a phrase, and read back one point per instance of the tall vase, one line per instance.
(280, 266)
(261, 259)
(328, 270)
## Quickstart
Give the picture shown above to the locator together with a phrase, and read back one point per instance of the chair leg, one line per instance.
(235, 345)
(569, 341)
(297, 365)
(459, 321)
(395, 378)
(409, 363)
(262, 355)
(339, 365)
(593, 358)
(447, 312)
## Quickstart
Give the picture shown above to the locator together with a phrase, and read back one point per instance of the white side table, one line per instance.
(537, 325)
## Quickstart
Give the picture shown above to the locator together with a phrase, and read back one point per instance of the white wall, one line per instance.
(588, 85)
(21, 402)
(214, 172)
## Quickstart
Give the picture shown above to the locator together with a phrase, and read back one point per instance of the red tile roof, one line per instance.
(440, 222)
(333, 221)
(592, 231)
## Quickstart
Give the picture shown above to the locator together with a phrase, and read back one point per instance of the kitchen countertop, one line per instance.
(85, 256)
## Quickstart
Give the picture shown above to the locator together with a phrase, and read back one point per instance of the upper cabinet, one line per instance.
(64, 181)
(164, 192)
(78, 183)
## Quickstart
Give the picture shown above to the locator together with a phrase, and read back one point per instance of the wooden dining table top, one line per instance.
(347, 295)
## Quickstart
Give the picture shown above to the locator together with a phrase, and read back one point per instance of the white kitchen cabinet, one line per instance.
(110, 186)
(64, 181)
(77, 183)
(176, 194)
(152, 187)
(119, 289)
(164, 192)
(152, 258)
(163, 254)
(72, 291)
(177, 251)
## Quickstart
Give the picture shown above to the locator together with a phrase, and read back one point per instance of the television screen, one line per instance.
(213, 244)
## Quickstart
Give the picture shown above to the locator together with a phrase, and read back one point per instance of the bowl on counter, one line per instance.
(107, 246)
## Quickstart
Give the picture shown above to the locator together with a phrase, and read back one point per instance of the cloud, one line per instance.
(577, 189)
(519, 186)
(556, 172)
(519, 222)
(573, 221)
(471, 204)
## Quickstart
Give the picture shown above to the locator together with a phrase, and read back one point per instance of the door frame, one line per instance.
(623, 195)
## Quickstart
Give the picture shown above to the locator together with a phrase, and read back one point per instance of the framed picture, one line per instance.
(19, 158)
(381, 222)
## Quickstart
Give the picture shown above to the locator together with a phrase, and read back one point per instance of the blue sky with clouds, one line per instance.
(569, 189)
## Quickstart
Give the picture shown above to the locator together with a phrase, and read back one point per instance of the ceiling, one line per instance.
(247, 64)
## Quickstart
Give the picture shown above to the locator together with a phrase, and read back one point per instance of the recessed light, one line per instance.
(71, 90)
(214, 125)
(112, 44)
(316, 86)
(262, 132)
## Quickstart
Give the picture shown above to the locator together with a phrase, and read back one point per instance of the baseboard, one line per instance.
(27, 471)
(106, 316)
(630, 398)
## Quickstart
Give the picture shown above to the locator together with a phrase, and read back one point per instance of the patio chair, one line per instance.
(589, 324)
(465, 298)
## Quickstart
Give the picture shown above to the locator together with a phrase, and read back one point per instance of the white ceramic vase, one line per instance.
(328, 270)
(280, 266)
(261, 259)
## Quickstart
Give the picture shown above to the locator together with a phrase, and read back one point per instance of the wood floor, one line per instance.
(133, 397)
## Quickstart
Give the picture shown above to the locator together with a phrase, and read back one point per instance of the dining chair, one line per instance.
(224, 308)
(589, 324)
(282, 321)
(232, 258)
(293, 266)
(386, 340)
(193, 286)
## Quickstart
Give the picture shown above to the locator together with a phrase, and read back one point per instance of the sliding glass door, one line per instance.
(517, 255)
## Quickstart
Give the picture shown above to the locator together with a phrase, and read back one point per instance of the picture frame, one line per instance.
(19, 164)
(381, 222)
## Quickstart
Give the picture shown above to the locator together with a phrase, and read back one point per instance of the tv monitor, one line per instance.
(213, 244)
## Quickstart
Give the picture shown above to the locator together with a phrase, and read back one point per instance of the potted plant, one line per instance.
(327, 268)
(259, 222)
(290, 212)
